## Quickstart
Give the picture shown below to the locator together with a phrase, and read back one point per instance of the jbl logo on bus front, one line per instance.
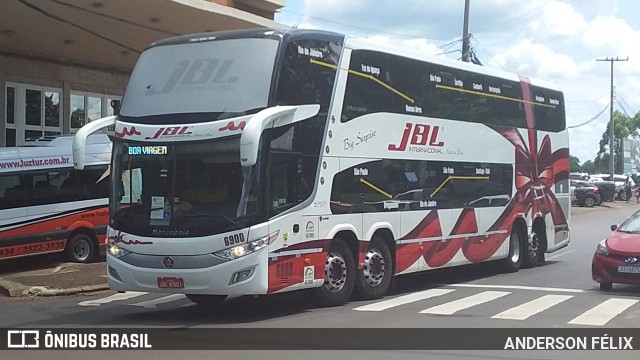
(170, 131)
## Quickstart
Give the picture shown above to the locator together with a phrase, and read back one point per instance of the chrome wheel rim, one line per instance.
(335, 273)
(374, 267)
(81, 250)
(515, 245)
(534, 244)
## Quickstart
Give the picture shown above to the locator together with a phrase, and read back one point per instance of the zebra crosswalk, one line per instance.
(604, 312)
(582, 308)
(528, 309)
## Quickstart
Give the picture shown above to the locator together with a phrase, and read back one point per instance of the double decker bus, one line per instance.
(276, 160)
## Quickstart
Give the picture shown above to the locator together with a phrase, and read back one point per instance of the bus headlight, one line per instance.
(116, 250)
(244, 249)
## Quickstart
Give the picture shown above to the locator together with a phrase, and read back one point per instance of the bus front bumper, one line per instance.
(243, 276)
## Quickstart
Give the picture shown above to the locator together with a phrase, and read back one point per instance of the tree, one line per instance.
(575, 164)
(590, 167)
(624, 127)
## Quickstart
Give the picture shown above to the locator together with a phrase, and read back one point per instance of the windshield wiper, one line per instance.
(628, 231)
(127, 210)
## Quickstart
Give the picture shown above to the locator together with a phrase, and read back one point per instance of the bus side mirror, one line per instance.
(115, 105)
(80, 139)
(276, 116)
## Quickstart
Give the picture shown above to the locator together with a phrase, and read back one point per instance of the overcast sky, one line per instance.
(554, 40)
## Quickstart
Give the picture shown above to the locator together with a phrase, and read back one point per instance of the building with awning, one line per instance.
(62, 62)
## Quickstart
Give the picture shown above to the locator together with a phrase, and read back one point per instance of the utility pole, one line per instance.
(611, 151)
(465, 33)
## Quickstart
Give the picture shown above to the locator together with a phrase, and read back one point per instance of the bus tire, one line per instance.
(80, 248)
(532, 251)
(513, 261)
(339, 276)
(373, 281)
(206, 300)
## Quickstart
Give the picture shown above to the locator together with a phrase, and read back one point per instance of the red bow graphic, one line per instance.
(536, 172)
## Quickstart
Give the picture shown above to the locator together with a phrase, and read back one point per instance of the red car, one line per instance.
(617, 258)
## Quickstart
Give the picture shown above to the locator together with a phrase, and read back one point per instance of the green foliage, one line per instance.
(624, 127)
(575, 164)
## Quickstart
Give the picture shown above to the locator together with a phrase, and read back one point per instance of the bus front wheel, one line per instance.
(80, 248)
(374, 279)
(339, 276)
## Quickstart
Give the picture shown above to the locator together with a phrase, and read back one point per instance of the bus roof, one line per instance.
(354, 42)
(247, 33)
(53, 152)
(350, 41)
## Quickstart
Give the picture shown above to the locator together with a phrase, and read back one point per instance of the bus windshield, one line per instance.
(229, 77)
(183, 189)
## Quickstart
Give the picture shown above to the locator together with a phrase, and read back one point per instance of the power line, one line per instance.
(590, 120)
(49, 15)
(622, 107)
(491, 56)
(517, 21)
(115, 18)
(448, 52)
(618, 95)
(368, 30)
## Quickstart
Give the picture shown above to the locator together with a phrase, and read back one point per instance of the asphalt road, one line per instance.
(559, 294)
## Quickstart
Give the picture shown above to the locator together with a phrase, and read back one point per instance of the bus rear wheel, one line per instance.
(339, 276)
(513, 262)
(374, 279)
(206, 300)
(532, 256)
(80, 248)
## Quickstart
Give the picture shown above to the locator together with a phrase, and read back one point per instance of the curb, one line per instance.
(13, 289)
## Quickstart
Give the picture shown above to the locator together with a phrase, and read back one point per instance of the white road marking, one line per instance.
(464, 303)
(555, 256)
(531, 308)
(602, 313)
(517, 287)
(152, 304)
(402, 300)
(114, 297)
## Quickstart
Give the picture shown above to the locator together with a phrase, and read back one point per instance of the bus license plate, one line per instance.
(170, 283)
(629, 269)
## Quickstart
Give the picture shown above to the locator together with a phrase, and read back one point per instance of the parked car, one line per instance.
(584, 193)
(617, 258)
(620, 181)
(578, 176)
(607, 189)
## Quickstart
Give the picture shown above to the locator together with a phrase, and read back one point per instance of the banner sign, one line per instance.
(321, 339)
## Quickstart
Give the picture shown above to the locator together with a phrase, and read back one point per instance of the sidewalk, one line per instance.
(58, 279)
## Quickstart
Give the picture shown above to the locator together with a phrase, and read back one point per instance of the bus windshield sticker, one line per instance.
(157, 207)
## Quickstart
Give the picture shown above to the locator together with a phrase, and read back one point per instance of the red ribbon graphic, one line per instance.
(232, 126)
(127, 132)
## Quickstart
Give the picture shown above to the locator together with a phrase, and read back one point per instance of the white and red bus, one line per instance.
(47, 206)
(272, 160)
